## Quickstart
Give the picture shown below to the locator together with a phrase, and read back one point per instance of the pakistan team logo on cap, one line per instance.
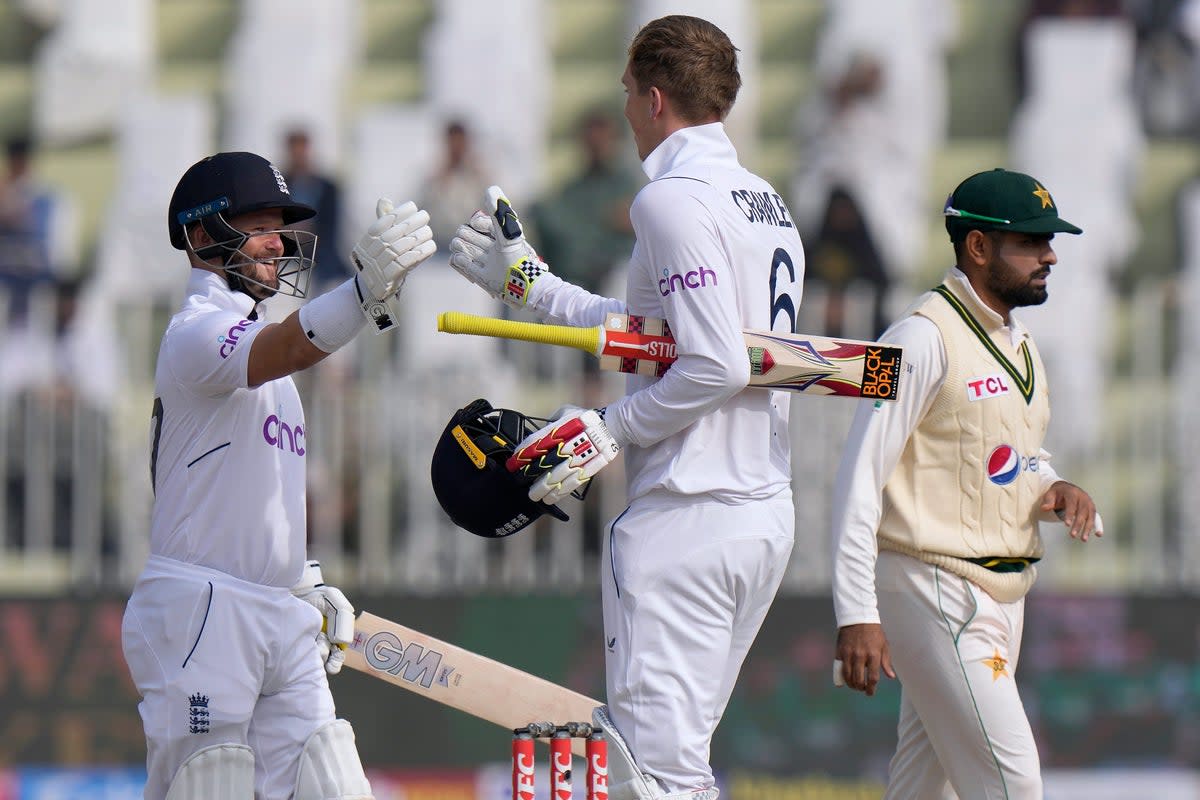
(1043, 195)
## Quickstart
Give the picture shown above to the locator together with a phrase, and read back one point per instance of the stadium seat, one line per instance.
(100, 53)
(289, 65)
(498, 84)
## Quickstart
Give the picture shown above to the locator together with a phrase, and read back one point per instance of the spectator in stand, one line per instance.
(320, 191)
(585, 227)
(35, 240)
(867, 136)
(451, 193)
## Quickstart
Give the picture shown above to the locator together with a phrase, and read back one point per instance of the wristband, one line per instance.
(333, 319)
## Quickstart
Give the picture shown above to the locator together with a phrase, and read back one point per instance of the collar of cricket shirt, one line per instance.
(688, 147)
(215, 290)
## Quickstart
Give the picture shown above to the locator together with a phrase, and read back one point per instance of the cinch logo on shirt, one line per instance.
(278, 433)
(983, 388)
(229, 340)
(693, 279)
(1005, 464)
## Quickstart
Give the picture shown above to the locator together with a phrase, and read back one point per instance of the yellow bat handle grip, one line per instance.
(585, 339)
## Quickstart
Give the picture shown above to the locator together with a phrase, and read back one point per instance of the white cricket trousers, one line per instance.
(686, 583)
(963, 731)
(217, 659)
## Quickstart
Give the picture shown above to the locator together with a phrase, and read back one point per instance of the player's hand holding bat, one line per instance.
(337, 633)
(564, 455)
(398, 240)
(490, 251)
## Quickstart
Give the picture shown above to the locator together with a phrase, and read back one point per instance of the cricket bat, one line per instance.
(461, 679)
(796, 362)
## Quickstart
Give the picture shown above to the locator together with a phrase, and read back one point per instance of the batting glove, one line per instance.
(563, 456)
(490, 251)
(337, 631)
(397, 241)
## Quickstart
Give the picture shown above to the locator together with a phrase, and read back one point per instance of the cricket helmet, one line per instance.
(470, 479)
(220, 188)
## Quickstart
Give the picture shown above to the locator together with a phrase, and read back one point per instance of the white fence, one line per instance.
(75, 494)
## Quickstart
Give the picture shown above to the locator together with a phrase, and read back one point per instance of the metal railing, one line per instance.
(75, 493)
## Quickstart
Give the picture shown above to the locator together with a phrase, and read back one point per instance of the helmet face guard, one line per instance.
(470, 479)
(293, 269)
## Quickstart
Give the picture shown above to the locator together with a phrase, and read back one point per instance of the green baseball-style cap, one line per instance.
(1002, 200)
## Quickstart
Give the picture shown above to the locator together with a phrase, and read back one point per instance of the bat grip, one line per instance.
(585, 339)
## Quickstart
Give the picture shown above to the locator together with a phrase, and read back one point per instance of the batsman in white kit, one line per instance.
(937, 503)
(691, 567)
(230, 631)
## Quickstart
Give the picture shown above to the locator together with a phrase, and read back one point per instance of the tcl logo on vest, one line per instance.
(989, 386)
(229, 340)
(1005, 464)
(278, 433)
(678, 282)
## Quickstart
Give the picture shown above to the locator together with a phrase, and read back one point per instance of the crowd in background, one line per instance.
(1093, 82)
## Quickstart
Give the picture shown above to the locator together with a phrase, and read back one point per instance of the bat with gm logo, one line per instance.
(472, 683)
(796, 362)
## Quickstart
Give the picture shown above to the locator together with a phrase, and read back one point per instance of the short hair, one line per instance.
(689, 59)
(960, 244)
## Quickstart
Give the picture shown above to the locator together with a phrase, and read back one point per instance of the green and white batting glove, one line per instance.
(490, 251)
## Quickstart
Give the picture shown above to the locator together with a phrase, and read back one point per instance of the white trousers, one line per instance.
(963, 731)
(217, 659)
(685, 584)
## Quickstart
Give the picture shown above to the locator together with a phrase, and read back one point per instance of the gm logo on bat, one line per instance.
(413, 663)
(881, 372)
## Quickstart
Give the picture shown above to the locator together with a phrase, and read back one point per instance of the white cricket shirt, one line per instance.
(227, 461)
(716, 252)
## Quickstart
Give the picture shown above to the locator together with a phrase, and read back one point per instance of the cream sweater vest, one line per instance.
(966, 485)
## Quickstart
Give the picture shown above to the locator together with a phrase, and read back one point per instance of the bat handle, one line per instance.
(589, 340)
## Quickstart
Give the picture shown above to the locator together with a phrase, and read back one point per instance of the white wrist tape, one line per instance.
(331, 320)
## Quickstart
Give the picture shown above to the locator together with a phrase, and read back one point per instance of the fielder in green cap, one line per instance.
(938, 501)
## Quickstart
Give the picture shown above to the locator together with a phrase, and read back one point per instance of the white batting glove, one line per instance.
(397, 241)
(490, 251)
(564, 455)
(337, 632)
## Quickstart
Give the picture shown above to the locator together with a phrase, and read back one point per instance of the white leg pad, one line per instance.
(330, 768)
(712, 793)
(625, 780)
(222, 770)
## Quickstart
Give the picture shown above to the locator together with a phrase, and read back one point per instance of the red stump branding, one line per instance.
(522, 767)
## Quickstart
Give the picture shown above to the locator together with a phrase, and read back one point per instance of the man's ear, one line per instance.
(656, 101)
(978, 247)
(198, 236)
